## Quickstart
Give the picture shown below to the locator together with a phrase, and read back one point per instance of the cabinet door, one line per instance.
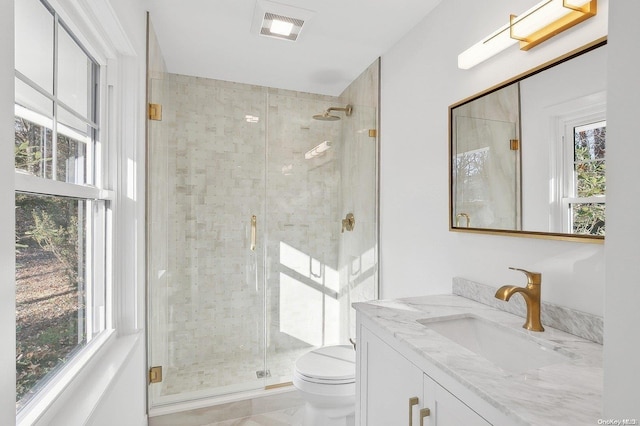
(446, 409)
(390, 382)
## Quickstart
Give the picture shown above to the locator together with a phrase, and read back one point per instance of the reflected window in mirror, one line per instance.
(578, 184)
(528, 155)
(585, 197)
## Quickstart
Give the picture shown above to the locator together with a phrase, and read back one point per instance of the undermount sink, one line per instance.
(512, 350)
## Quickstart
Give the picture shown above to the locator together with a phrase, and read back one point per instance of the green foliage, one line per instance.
(46, 228)
(48, 334)
(19, 245)
(589, 218)
(40, 353)
(30, 142)
(590, 174)
(26, 156)
(61, 239)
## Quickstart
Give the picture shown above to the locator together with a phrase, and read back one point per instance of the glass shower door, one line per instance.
(248, 267)
(205, 213)
(486, 174)
(317, 173)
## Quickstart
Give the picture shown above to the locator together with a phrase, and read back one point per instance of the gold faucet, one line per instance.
(531, 294)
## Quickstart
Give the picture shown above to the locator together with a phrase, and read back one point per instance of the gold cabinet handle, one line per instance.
(412, 401)
(253, 232)
(425, 412)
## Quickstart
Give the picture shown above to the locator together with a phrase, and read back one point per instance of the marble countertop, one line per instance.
(569, 392)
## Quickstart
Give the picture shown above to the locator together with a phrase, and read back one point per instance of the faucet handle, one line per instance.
(533, 278)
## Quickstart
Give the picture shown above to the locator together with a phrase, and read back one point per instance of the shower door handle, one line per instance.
(253, 232)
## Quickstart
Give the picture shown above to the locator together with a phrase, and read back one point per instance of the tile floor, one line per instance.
(291, 416)
(284, 409)
(224, 371)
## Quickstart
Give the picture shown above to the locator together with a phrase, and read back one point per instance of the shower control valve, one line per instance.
(348, 222)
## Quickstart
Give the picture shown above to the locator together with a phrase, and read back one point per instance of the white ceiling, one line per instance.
(213, 39)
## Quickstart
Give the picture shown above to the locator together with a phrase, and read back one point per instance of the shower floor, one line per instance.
(222, 376)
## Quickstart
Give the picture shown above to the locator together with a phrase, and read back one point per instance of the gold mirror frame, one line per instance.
(514, 233)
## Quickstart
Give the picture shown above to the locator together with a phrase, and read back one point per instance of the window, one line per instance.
(584, 198)
(61, 205)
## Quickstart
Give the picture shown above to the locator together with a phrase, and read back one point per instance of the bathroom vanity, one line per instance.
(448, 360)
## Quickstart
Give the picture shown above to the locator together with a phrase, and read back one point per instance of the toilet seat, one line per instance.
(325, 378)
(329, 365)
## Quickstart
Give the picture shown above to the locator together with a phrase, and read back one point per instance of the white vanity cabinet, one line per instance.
(446, 409)
(401, 355)
(388, 382)
(392, 391)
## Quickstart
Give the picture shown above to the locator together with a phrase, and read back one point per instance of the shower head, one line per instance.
(327, 116)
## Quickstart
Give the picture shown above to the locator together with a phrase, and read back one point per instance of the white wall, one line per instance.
(124, 400)
(7, 255)
(419, 82)
(420, 79)
(622, 315)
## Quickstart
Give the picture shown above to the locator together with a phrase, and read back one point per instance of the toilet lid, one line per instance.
(329, 362)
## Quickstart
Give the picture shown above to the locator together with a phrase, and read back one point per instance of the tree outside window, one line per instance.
(587, 207)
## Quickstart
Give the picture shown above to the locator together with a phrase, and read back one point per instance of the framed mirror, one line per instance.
(527, 157)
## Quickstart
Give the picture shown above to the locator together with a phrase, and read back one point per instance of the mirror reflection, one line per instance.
(529, 155)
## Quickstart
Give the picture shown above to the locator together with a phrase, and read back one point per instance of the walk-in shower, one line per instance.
(247, 265)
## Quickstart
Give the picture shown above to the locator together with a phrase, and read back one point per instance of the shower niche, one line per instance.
(247, 266)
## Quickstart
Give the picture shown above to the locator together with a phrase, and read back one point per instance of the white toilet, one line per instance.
(326, 378)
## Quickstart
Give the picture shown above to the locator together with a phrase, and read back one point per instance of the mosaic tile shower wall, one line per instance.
(216, 169)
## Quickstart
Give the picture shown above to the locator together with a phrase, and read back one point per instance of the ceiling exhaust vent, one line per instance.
(279, 20)
(281, 26)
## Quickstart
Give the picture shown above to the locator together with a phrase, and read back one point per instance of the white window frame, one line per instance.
(97, 244)
(584, 110)
(570, 196)
(86, 378)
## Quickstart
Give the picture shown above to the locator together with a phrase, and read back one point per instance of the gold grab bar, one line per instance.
(466, 216)
(253, 232)
(412, 401)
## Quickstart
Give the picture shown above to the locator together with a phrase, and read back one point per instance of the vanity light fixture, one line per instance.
(538, 24)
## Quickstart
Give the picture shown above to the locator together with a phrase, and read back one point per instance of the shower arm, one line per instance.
(348, 109)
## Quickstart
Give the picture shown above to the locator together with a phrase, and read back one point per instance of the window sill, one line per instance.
(82, 382)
